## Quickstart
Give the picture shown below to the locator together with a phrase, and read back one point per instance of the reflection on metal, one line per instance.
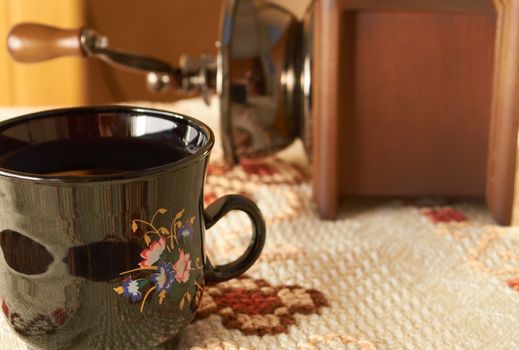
(264, 73)
(306, 80)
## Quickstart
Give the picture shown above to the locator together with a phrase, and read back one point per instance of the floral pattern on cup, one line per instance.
(165, 262)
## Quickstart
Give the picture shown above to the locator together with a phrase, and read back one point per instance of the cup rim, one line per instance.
(126, 175)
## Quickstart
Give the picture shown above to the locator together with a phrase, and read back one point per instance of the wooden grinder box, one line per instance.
(416, 98)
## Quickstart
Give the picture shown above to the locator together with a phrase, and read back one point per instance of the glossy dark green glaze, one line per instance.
(66, 239)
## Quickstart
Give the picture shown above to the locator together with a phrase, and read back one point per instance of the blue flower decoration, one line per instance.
(131, 289)
(185, 231)
(164, 277)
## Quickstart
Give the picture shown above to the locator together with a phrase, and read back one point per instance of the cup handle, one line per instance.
(214, 212)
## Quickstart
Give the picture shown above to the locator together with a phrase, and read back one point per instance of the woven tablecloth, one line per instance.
(388, 274)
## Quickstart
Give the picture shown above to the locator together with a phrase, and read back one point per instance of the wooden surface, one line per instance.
(420, 110)
(505, 114)
(48, 83)
(6, 69)
(420, 5)
(326, 95)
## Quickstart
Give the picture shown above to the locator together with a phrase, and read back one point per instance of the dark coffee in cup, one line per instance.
(91, 156)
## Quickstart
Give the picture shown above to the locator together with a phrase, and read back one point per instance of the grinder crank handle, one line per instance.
(28, 42)
(32, 42)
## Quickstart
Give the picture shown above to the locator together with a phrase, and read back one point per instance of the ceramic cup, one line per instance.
(102, 226)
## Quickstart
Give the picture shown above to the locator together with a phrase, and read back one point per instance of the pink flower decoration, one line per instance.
(152, 254)
(182, 267)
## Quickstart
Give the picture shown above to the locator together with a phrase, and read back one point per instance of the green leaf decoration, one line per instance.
(143, 283)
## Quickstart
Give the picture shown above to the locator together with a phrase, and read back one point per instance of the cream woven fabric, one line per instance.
(426, 274)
